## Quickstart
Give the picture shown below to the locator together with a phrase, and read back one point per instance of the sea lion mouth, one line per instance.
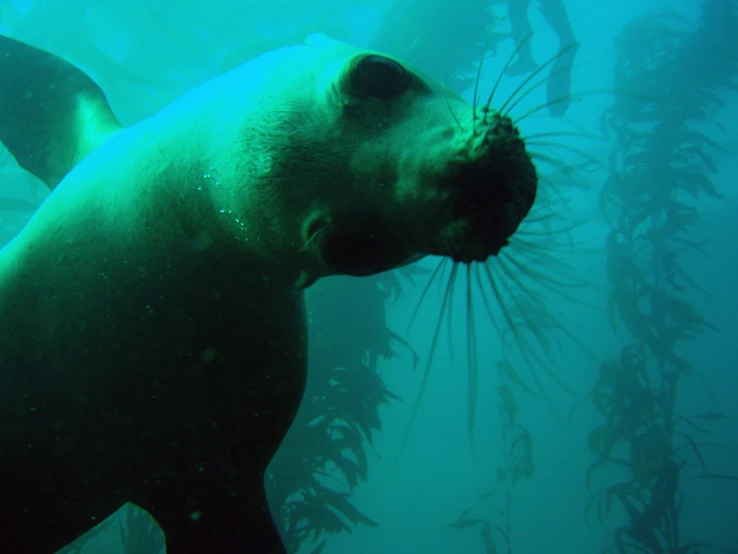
(495, 186)
(356, 245)
(352, 253)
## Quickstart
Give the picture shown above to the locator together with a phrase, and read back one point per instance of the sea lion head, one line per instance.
(391, 166)
(424, 174)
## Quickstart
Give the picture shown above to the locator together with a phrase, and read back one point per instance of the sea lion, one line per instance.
(152, 326)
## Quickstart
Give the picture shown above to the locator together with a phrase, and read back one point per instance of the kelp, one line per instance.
(491, 515)
(340, 411)
(660, 169)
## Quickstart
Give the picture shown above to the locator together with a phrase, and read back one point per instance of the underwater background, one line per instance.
(595, 408)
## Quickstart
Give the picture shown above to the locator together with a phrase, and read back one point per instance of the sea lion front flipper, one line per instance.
(51, 114)
(128, 529)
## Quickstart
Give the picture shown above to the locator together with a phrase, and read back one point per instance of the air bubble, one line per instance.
(211, 175)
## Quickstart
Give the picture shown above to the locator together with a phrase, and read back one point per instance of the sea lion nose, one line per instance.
(495, 191)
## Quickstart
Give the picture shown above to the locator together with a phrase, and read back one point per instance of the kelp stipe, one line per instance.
(660, 168)
(491, 516)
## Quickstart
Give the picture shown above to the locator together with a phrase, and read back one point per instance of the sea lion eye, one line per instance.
(379, 77)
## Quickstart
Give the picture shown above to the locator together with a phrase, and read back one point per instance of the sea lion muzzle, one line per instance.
(495, 186)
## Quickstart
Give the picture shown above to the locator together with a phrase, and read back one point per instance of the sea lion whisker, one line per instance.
(515, 329)
(532, 76)
(472, 360)
(541, 211)
(512, 329)
(553, 234)
(536, 329)
(521, 287)
(552, 320)
(566, 280)
(313, 238)
(523, 230)
(564, 176)
(511, 326)
(555, 72)
(426, 373)
(550, 201)
(550, 160)
(526, 38)
(476, 83)
(486, 302)
(449, 290)
(424, 294)
(528, 354)
(570, 173)
(542, 106)
(485, 298)
(537, 253)
(451, 110)
(532, 233)
(447, 267)
(536, 275)
(534, 86)
(531, 226)
(567, 147)
(545, 232)
(577, 134)
(562, 99)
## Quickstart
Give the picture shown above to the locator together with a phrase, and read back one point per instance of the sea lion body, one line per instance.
(128, 310)
(152, 327)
